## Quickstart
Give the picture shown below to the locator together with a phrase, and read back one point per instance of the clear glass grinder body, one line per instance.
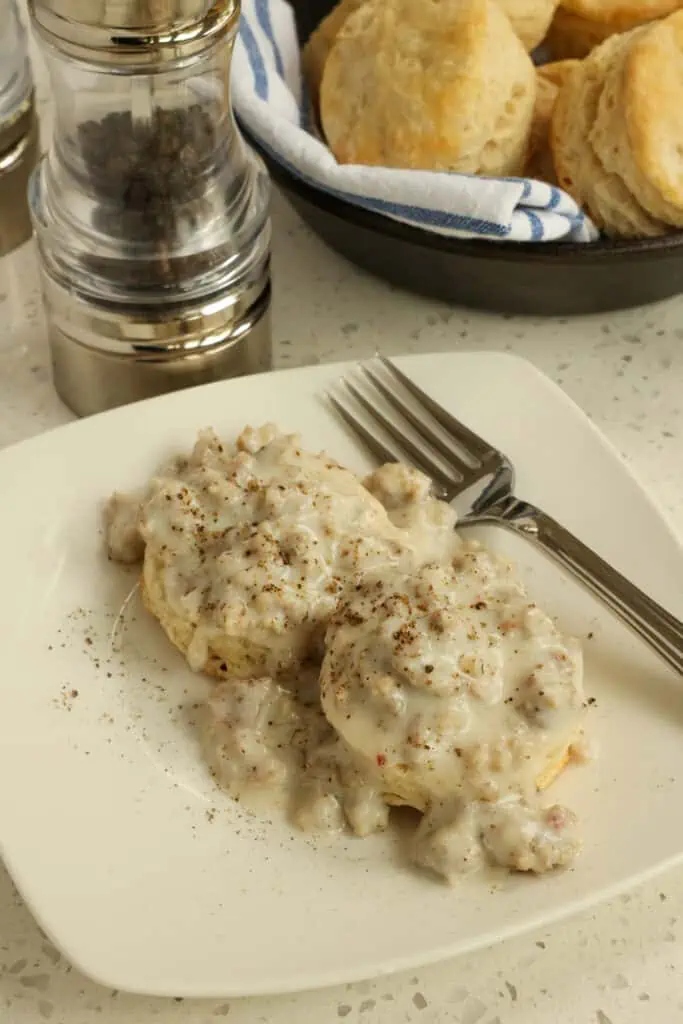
(18, 129)
(16, 86)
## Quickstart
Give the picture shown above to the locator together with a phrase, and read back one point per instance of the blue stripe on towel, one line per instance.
(262, 8)
(258, 68)
(532, 191)
(423, 216)
(536, 226)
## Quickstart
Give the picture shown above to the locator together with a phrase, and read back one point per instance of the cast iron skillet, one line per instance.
(552, 278)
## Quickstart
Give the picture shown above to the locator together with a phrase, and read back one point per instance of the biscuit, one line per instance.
(549, 78)
(571, 36)
(442, 85)
(316, 50)
(246, 548)
(228, 657)
(407, 675)
(406, 796)
(580, 172)
(581, 25)
(556, 72)
(638, 130)
(530, 19)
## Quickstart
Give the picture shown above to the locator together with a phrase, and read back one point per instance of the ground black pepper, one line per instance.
(145, 170)
(151, 180)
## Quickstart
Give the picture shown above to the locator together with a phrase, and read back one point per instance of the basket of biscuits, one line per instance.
(513, 155)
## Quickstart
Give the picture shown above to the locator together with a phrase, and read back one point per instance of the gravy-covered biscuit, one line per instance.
(240, 547)
(441, 85)
(426, 682)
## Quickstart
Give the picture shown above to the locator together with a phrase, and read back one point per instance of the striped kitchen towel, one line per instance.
(269, 99)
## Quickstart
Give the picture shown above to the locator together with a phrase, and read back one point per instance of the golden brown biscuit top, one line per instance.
(622, 14)
(653, 99)
(317, 49)
(427, 73)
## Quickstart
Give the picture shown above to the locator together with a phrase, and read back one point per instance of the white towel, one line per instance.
(269, 98)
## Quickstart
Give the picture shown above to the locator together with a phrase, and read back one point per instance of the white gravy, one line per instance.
(436, 682)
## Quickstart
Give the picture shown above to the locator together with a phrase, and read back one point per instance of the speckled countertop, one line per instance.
(620, 964)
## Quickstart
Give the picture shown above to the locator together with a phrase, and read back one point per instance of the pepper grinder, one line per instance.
(150, 212)
(18, 130)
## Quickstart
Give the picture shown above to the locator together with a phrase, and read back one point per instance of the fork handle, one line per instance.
(661, 630)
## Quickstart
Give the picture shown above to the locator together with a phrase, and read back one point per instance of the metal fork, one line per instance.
(417, 430)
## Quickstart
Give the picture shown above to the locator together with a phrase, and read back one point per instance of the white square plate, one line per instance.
(151, 880)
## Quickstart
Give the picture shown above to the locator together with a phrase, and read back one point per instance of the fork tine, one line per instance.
(471, 442)
(415, 454)
(426, 432)
(372, 443)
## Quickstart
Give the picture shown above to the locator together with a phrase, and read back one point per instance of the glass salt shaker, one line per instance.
(150, 212)
(18, 130)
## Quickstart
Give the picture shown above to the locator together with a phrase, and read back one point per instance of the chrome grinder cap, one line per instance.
(133, 32)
